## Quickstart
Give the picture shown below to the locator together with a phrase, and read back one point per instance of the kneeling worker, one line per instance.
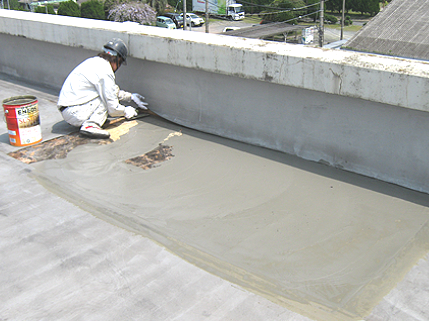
(90, 94)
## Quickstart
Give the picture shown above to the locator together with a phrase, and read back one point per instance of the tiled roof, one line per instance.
(401, 29)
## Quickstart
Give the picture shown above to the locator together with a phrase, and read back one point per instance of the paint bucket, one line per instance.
(22, 119)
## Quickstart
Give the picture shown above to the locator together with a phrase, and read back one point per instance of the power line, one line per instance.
(277, 12)
(270, 7)
(281, 22)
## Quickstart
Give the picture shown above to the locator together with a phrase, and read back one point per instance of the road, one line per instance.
(217, 26)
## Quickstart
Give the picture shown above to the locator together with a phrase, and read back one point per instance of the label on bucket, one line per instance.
(27, 116)
(30, 135)
(12, 132)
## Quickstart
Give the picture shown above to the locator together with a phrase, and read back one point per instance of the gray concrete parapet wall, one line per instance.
(362, 113)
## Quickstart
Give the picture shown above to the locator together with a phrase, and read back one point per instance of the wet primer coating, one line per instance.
(323, 242)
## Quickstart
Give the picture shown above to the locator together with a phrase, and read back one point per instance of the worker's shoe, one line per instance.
(93, 131)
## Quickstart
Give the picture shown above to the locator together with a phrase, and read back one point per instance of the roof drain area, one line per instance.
(58, 148)
(158, 155)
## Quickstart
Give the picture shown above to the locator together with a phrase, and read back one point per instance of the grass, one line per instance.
(353, 15)
(337, 26)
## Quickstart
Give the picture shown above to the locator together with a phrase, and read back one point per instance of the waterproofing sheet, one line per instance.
(323, 242)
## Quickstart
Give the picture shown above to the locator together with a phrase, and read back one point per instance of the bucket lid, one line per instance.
(19, 100)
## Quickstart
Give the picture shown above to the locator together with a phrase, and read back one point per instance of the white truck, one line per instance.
(225, 8)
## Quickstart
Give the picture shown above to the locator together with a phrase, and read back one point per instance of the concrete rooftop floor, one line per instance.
(60, 261)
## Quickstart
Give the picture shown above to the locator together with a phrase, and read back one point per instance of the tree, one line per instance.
(330, 19)
(366, 6)
(283, 10)
(337, 5)
(92, 9)
(314, 8)
(363, 6)
(256, 6)
(373, 7)
(287, 16)
(133, 11)
(348, 21)
(69, 8)
(159, 5)
(334, 5)
(358, 6)
(45, 9)
(110, 4)
(13, 5)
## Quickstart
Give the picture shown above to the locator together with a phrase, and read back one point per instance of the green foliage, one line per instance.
(160, 5)
(359, 6)
(312, 9)
(337, 5)
(178, 5)
(371, 7)
(92, 9)
(282, 16)
(69, 8)
(332, 19)
(256, 6)
(14, 4)
(288, 4)
(283, 10)
(348, 21)
(49, 9)
(174, 3)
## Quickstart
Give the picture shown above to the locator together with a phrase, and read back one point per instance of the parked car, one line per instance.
(165, 22)
(226, 29)
(193, 20)
(177, 19)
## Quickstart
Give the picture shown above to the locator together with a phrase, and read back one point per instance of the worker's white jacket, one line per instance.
(93, 78)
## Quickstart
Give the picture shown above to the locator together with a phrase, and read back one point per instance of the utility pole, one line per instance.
(185, 27)
(207, 16)
(342, 19)
(321, 28)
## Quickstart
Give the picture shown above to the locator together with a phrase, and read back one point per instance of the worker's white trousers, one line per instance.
(90, 113)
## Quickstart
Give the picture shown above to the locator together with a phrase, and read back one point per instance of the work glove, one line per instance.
(130, 112)
(139, 100)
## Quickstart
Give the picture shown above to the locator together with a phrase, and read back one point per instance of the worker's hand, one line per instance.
(130, 112)
(139, 100)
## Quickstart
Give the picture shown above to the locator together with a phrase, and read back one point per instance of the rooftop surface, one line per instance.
(215, 230)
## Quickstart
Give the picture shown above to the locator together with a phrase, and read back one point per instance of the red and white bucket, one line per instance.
(22, 119)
